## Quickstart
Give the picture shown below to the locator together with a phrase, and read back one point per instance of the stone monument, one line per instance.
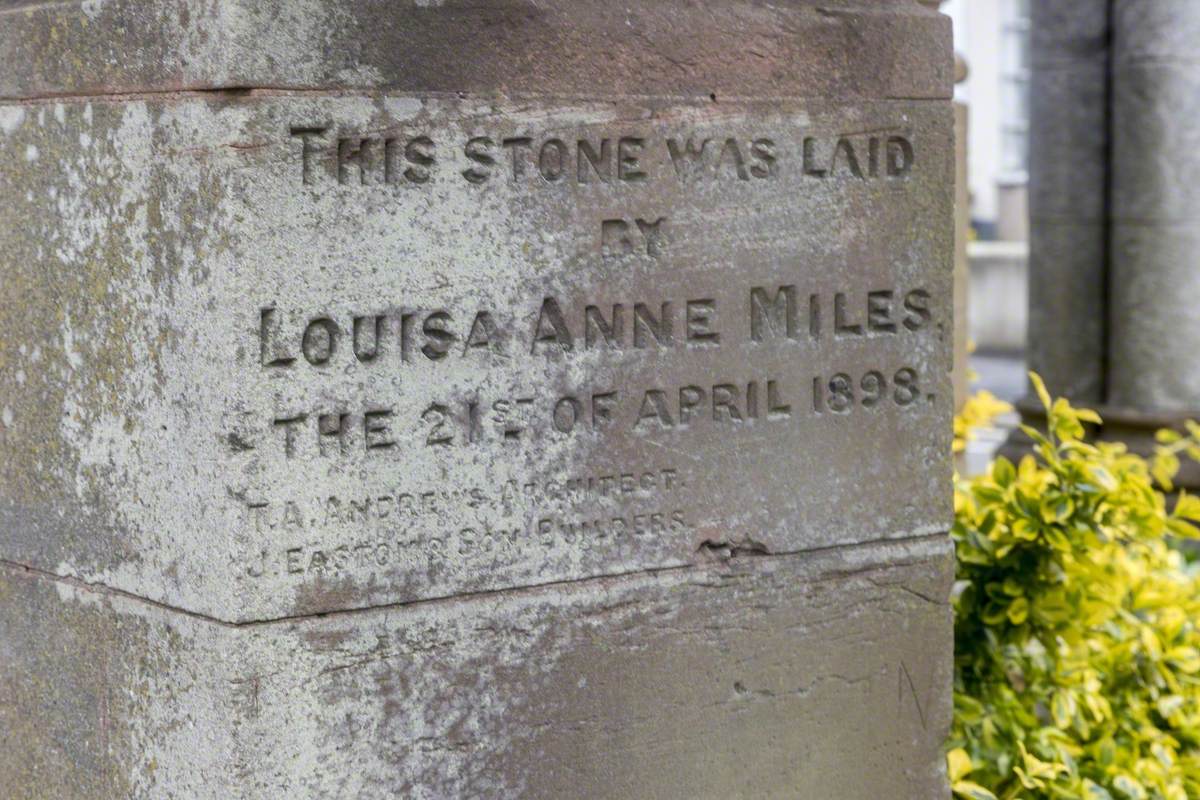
(447, 399)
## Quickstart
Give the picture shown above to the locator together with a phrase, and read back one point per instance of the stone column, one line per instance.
(1115, 166)
(1068, 196)
(501, 398)
(1154, 309)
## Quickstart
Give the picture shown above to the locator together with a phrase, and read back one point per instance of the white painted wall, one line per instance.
(980, 37)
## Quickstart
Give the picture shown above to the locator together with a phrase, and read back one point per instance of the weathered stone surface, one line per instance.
(104, 696)
(836, 48)
(1153, 365)
(445, 399)
(1155, 31)
(1155, 343)
(1064, 327)
(1068, 159)
(181, 265)
(1156, 176)
(1069, 34)
(1068, 196)
(817, 676)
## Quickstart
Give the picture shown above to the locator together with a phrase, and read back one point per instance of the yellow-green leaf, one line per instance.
(1167, 436)
(1094, 791)
(971, 791)
(1018, 611)
(1128, 787)
(1040, 388)
(958, 764)
(1062, 708)
(1188, 507)
(1185, 659)
(1003, 472)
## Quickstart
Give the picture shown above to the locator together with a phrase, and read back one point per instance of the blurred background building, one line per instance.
(1082, 254)
(992, 37)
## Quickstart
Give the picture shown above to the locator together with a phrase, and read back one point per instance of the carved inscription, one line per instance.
(779, 312)
(328, 154)
(618, 378)
(393, 525)
(773, 315)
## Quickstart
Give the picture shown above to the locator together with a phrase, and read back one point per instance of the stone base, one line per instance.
(819, 675)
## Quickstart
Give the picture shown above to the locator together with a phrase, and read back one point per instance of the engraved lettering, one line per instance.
(270, 353)
(688, 158)
(310, 146)
(319, 341)
(566, 414)
(653, 235)
(699, 321)
(478, 150)
(331, 426)
(916, 303)
(724, 399)
(654, 407)
(375, 429)
(731, 156)
(842, 327)
(357, 153)
(603, 404)
(437, 417)
(629, 153)
(690, 398)
(290, 426)
(617, 237)
(845, 149)
(810, 159)
(770, 316)
(517, 147)
(418, 152)
(879, 312)
(438, 337)
(596, 328)
(776, 408)
(551, 327)
(900, 156)
(483, 333)
(646, 326)
(599, 162)
(763, 152)
(552, 160)
(377, 324)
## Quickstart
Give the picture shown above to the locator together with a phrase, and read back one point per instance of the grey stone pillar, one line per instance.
(1154, 307)
(446, 399)
(1115, 213)
(1068, 155)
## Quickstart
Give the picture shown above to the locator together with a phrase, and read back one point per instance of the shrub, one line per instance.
(980, 410)
(1077, 646)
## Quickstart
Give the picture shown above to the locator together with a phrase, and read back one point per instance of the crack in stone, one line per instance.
(725, 549)
(699, 568)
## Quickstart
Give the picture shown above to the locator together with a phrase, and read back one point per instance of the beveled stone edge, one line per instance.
(129, 47)
(823, 562)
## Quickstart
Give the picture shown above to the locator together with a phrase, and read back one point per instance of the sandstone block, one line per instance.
(286, 355)
(447, 399)
(753, 678)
